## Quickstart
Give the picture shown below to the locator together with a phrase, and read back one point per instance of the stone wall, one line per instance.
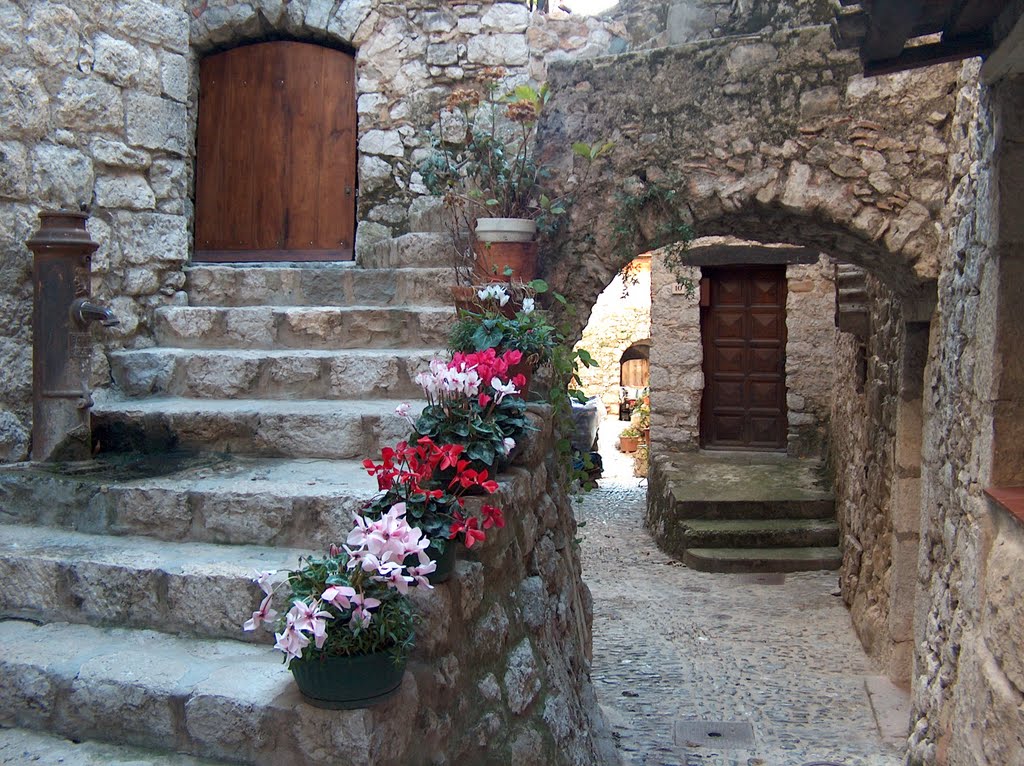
(861, 453)
(810, 332)
(620, 318)
(968, 674)
(502, 676)
(770, 139)
(677, 357)
(98, 108)
(653, 25)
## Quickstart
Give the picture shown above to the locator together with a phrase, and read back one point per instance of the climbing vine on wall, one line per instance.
(648, 219)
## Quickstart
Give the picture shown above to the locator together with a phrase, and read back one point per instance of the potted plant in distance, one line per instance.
(483, 166)
(349, 625)
(430, 481)
(629, 440)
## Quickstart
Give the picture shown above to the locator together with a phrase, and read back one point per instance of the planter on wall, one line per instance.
(505, 245)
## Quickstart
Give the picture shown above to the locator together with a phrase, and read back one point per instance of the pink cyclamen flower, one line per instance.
(339, 595)
(264, 580)
(264, 614)
(302, 615)
(404, 410)
(291, 642)
(361, 607)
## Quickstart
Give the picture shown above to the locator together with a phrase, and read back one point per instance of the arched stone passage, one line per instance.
(773, 139)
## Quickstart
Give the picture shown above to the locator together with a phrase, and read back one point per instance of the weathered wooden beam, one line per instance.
(724, 254)
(892, 23)
(934, 53)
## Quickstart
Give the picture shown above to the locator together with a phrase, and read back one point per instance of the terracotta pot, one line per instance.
(506, 229)
(492, 259)
(629, 444)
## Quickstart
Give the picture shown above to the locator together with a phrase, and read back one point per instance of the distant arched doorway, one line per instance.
(276, 154)
(634, 376)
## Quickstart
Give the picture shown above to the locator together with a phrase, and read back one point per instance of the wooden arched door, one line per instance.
(276, 154)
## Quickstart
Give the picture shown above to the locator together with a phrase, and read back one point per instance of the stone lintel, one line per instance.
(754, 255)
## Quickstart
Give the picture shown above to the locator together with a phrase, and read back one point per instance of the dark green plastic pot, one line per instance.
(445, 563)
(347, 683)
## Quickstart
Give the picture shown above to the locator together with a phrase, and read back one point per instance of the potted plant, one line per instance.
(482, 165)
(629, 440)
(641, 419)
(430, 481)
(474, 401)
(528, 331)
(349, 626)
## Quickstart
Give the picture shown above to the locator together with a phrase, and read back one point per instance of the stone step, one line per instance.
(316, 285)
(208, 498)
(318, 428)
(213, 699)
(268, 374)
(759, 533)
(196, 589)
(686, 506)
(303, 327)
(417, 250)
(18, 746)
(738, 560)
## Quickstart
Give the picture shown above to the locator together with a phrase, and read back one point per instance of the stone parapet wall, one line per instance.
(502, 676)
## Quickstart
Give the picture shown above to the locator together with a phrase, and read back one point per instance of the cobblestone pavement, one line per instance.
(674, 645)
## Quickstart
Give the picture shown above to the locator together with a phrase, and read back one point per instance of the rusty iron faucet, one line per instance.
(62, 315)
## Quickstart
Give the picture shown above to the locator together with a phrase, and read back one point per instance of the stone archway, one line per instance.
(769, 139)
(776, 140)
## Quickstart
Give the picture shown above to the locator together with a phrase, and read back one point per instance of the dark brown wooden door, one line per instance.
(743, 326)
(276, 154)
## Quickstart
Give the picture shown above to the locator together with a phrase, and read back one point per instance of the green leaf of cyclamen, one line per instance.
(582, 149)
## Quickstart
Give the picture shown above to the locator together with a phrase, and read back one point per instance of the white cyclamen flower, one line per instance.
(528, 305)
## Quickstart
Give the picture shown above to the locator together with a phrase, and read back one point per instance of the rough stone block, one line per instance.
(130, 192)
(24, 104)
(156, 123)
(89, 104)
(116, 60)
(522, 678)
(61, 175)
(13, 170)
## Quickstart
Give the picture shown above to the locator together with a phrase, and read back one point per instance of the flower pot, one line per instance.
(505, 229)
(646, 437)
(347, 683)
(445, 563)
(493, 258)
(629, 443)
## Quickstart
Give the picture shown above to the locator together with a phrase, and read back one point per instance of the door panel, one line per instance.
(744, 337)
(276, 154)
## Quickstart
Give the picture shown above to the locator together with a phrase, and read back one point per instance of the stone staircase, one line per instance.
(233, 445)
(743, 512)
